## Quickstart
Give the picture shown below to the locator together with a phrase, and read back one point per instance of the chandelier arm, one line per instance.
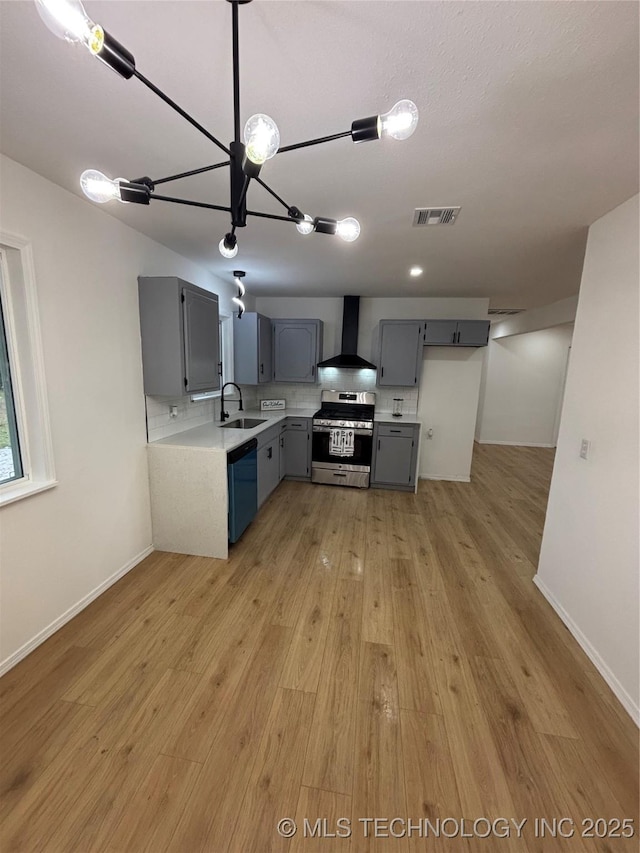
(273, 193)
(270, 216)
(245, 187)
(191, 172)
(190, 203)
(317, 141)
(180, 111)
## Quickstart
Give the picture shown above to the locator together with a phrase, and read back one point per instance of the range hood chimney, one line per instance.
(348, 355)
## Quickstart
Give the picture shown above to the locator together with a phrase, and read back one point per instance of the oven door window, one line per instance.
(362, 446)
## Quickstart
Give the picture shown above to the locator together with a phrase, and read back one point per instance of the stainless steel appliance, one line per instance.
(343, 439)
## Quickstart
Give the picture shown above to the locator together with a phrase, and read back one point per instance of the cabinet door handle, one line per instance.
(262, 368)
(453, 339)
(458, 340)
(282, 442)
(219, 368)
(378, 444)
(381, 372)
(395, 430)
(313, 370)
(270, 453)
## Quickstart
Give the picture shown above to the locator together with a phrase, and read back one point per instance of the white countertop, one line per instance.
(387, 417)
(213, 436)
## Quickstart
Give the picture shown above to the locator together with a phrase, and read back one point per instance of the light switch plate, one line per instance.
(584, 448)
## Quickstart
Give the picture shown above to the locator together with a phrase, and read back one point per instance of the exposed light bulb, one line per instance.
(348, 229)
(99, 187)
(261, 137)
(240, 286)
(228, 246)
(400, 121)
(239, 303)
(306, 226)
(68, 20)
(415, 271)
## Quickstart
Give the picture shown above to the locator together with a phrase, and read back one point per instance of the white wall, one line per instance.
(589, 559)
(555, 314)
(448, 395)
(448, 403)
(522, 388)
(58, 546)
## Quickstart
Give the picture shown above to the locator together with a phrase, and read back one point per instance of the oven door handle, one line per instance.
(327, 430)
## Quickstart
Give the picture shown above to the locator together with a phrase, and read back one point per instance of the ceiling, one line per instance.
(528, 120)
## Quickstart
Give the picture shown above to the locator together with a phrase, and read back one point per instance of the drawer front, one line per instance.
(298, 423)
(391, 429)
(269, 436)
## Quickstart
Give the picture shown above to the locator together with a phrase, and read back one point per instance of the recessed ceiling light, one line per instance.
(415, 271)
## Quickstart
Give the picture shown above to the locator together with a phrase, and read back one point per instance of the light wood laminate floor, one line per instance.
(361, 655)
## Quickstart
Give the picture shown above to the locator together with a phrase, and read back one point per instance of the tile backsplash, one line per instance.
(335, 379)
(190, 414)
(161, 425)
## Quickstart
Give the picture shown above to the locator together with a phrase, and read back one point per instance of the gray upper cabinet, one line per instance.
(180, 334)
(252, 349)
(297, 349)
(440, 332)
(456, 333)
(472, 333)
(400, 352)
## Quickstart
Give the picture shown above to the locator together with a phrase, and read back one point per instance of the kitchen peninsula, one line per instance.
(188, 482)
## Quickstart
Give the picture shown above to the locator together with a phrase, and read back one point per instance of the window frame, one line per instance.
(26, 359)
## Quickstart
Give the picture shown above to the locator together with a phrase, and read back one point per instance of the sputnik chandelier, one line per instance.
(260, 141)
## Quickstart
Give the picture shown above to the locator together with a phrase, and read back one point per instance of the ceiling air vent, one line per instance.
(505, 312)
(435, 215)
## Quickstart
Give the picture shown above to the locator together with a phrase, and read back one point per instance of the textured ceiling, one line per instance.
(528, 119)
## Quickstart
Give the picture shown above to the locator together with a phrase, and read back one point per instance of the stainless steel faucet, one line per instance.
(224, 415)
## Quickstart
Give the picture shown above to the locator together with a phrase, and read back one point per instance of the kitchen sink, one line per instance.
(244, 423)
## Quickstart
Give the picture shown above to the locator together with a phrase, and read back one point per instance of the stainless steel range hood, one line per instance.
(348, 356)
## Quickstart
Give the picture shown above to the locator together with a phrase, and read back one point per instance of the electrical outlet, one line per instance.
(173, 411)
(429, 433)
(584, 449)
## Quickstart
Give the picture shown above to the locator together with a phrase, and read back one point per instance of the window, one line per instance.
(10, 459)
(225, 358)
(26, 457)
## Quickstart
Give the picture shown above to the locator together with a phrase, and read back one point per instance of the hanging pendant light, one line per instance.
(260, 141)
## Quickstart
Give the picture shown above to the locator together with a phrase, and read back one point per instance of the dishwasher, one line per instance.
(242, 480)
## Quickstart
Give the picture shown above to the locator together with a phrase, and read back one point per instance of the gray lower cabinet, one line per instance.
(456, 333)
(297, 448)
(395, 456)
(252, 349)
(297, 349)
(268, 463)
(400, 352)
(180, 334)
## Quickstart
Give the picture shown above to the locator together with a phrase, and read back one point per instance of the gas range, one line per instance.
(343, 438)
(346, 410)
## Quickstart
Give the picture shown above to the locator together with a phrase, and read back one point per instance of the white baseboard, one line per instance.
(514, 443)
(621, 694)
(43, 635)
(454, 478)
